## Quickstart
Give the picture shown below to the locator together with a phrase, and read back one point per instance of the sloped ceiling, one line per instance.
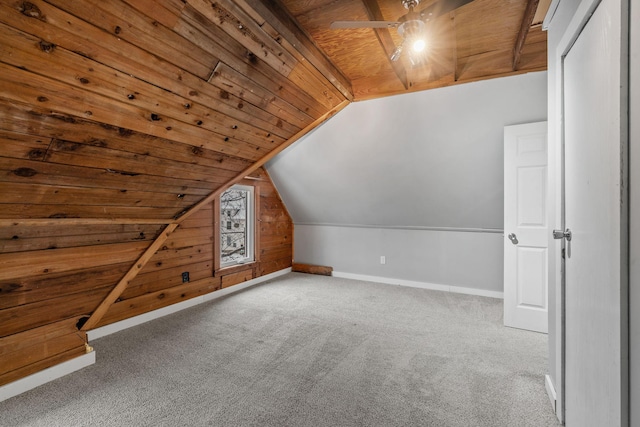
(120, 119)
(136, 91)
(136, 110)
(428, 159)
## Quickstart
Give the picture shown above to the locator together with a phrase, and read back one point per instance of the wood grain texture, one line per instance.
(29, 289)
(483, 27)
(117, 290)
(527, 21)
(386, 40)
(312, 269)
(274, 12)
(237, 277)
(21, 318)
(45, 362)
(23, 340)
(41, 350)
(155, 300)
(42, 262)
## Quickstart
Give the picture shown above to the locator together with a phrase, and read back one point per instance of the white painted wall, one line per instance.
(417, 255)
(422, 173)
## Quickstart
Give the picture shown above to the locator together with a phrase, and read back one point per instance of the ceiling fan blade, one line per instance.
(441, 7)
(336, 25)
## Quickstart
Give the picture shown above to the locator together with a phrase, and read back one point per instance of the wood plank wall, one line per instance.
(116, 118)
(193, 248)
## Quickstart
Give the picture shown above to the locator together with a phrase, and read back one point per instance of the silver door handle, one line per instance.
(559, 234)
(513, 238)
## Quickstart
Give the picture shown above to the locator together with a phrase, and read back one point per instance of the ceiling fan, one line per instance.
(410, 26)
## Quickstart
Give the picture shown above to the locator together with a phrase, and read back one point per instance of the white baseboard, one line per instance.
(422, 285)
(551, 391)
(32, 381)
(161, 312)
(39, 378)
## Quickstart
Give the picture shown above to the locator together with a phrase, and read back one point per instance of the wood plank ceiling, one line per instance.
(121, 121)
(483, 39)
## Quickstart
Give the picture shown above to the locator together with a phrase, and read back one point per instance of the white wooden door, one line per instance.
(595, 202)
(525, 227)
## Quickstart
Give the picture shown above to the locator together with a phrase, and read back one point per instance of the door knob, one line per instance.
(513, 238)
(559, 234)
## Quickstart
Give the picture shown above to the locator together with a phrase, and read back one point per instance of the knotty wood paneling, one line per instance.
(28, 316)
(162, 298)
(192, 248)
(32, 238)
(23, 290)
(116, 119)
(15, 265)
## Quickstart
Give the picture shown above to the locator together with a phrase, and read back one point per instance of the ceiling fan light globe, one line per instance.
(419, 45)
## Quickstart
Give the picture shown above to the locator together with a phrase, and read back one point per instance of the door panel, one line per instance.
(532, 196)
(532, 282)
(525, 204)
(593, 199)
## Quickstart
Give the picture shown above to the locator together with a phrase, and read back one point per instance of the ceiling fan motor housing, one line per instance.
(408, 4)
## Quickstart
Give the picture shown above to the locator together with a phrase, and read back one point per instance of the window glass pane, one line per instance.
(235, 212)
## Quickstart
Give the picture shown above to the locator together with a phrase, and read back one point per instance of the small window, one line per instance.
(236, 234)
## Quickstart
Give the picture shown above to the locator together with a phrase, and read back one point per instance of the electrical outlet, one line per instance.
(185, 277)
(383, 259)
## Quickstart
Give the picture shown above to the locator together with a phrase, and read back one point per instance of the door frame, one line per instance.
(634, 215)
(579, 21)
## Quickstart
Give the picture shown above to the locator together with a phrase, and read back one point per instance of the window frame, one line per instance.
(250, 231)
